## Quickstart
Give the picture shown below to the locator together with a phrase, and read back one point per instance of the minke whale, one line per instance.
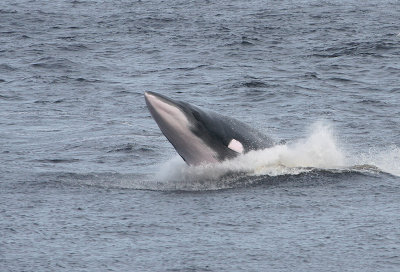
(202, 136)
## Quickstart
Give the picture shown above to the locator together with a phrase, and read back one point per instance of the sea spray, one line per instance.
(318, 150)
(386, 160)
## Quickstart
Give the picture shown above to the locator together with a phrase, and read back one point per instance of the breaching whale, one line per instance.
(201, 136)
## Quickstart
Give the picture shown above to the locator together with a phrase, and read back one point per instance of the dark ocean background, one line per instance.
(89, 183)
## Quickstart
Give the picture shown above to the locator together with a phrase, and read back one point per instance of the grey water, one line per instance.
(89, 183)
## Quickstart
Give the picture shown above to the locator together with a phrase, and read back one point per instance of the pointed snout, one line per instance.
(156, 102)
(152, 95)
(165, 111)
(151, 99)
(149, 94)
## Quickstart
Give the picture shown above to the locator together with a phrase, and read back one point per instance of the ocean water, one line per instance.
(89, 183)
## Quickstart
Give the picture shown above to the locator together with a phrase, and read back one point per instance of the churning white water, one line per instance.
(321, 149)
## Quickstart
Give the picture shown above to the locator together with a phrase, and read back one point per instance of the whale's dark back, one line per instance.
(226, 128)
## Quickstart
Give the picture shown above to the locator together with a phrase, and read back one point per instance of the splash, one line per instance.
(386, 160)
(318, 150)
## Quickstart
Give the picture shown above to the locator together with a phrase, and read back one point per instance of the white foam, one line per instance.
(319, 150)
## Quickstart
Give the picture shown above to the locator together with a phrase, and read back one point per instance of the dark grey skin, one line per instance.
(209, 131)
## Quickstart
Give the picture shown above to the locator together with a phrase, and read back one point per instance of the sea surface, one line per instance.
(89, 183)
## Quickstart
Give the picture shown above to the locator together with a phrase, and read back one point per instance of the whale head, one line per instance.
(201, 136)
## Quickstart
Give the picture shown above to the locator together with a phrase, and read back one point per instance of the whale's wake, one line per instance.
(320, 150)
